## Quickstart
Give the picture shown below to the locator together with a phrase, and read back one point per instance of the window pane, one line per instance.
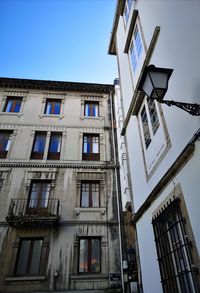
(49, 108)
(13, 105)
(95, 194)
(8, 107)
(35, 257)
(95, 256)
(85, 195)
(57, 108)
(45, 191)
(83, 256)
(39, 145)
(145, 126)
(153, 115)
(23, 257)
(133, 57)
(55, 143)
(95, 148)
(138, 41)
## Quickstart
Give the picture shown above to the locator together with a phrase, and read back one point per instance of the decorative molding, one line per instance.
(90, 175)
(42, 164)
(42, 174)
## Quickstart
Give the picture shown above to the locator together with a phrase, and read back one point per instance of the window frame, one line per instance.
(4, 151)
(136, 49)
(54, 155)
(90, 156)
(89, 255)
(30, 257)
(90, 104)
(38, 155)
(52, 103)
(174, 249)
(41, 202)
(90, 196)
(127, 8)
(13, 100)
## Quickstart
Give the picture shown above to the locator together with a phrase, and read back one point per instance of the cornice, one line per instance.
(51, 85)
(74, 165)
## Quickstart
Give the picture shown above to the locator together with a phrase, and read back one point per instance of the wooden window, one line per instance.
(13, 104)
(54, 146)
(5, 141)
(29, 257)
(91, 147)
(127, 8)
(91, 109)
(153, 115)
(38, 145)
(52, 106)
(90, 194)
(38, 197)
(89, 255)
(177, 269)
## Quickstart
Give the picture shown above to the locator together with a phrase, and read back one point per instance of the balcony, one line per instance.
(44, 211)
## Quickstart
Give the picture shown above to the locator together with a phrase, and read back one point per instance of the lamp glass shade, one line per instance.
(154, 81)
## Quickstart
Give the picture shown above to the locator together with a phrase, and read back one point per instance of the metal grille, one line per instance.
(178, 274)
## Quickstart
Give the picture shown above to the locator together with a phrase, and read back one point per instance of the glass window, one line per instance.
(13, 105)
(145, 126)
(136, 48)
(39, 145)
(53, 106)
(55, 146)
(39, 196)
(5, 141)
(174, 251)
(89, 194)
(91, 109)
(91, 147)
(153, 115)
(29, 257)
(127, 9)
(89, 255)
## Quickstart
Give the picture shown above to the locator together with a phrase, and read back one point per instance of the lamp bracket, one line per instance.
(192, 109)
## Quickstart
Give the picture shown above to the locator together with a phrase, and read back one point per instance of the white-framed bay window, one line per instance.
(153, 133)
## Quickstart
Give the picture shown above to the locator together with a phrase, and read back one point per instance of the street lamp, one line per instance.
(154, 83)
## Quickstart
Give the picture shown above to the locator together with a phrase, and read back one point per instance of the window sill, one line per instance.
(92, 117)
(79, 210)
(89, 276)
(27, 278)
(19, 114)
(52, 116)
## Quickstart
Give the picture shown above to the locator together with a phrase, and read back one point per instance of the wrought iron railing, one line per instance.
(21, 208)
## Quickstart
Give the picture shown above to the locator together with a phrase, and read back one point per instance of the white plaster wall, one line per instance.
(190, 190)
(178, 48)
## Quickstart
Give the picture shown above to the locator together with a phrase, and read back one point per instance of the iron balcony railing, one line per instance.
(42, 209)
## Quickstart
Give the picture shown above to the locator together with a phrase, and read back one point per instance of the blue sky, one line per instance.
(57, 40)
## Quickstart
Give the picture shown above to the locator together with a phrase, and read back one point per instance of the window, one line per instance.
(90, 194)
(154, 136)
(38, 145)
(52, 106)
(89, 255)
(39, 196)
(174, 251)
(91, 147)
(127, 9)
(54, 146)
(29, 257)
(13, 104)
(91, 109)
(136, 48)
(5, 141)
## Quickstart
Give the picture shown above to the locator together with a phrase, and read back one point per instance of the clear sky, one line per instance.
(57, 40)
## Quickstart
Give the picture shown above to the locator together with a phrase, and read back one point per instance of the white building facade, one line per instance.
(162, 142)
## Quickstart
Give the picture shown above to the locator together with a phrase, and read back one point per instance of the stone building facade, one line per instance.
(59, 228)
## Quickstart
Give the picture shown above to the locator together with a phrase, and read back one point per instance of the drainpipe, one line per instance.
(117, 183)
